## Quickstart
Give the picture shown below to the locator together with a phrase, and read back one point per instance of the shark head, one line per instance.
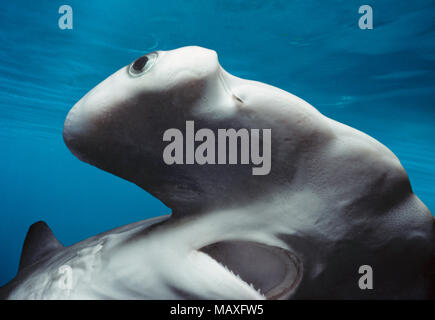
(331, 199)
(119, 126)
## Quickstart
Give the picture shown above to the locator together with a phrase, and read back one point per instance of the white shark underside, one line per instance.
(335, 199)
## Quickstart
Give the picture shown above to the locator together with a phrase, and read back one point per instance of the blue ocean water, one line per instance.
(380, 81)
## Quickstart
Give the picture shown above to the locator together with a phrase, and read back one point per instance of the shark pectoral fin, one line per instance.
(39, 242)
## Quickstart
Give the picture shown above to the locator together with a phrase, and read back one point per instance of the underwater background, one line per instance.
(379, 81)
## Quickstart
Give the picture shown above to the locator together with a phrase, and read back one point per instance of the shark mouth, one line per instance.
(272, 271)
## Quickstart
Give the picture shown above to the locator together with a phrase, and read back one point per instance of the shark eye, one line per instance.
(143, 64)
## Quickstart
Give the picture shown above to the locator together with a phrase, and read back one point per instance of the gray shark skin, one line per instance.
(334, 200)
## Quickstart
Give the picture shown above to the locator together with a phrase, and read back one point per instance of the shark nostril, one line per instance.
(237, 98)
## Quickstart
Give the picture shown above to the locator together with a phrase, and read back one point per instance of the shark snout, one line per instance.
(74, 128)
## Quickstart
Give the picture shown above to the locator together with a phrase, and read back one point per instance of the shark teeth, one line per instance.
(238, 277)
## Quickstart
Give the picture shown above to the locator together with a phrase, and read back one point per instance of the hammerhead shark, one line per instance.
(332, 199)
